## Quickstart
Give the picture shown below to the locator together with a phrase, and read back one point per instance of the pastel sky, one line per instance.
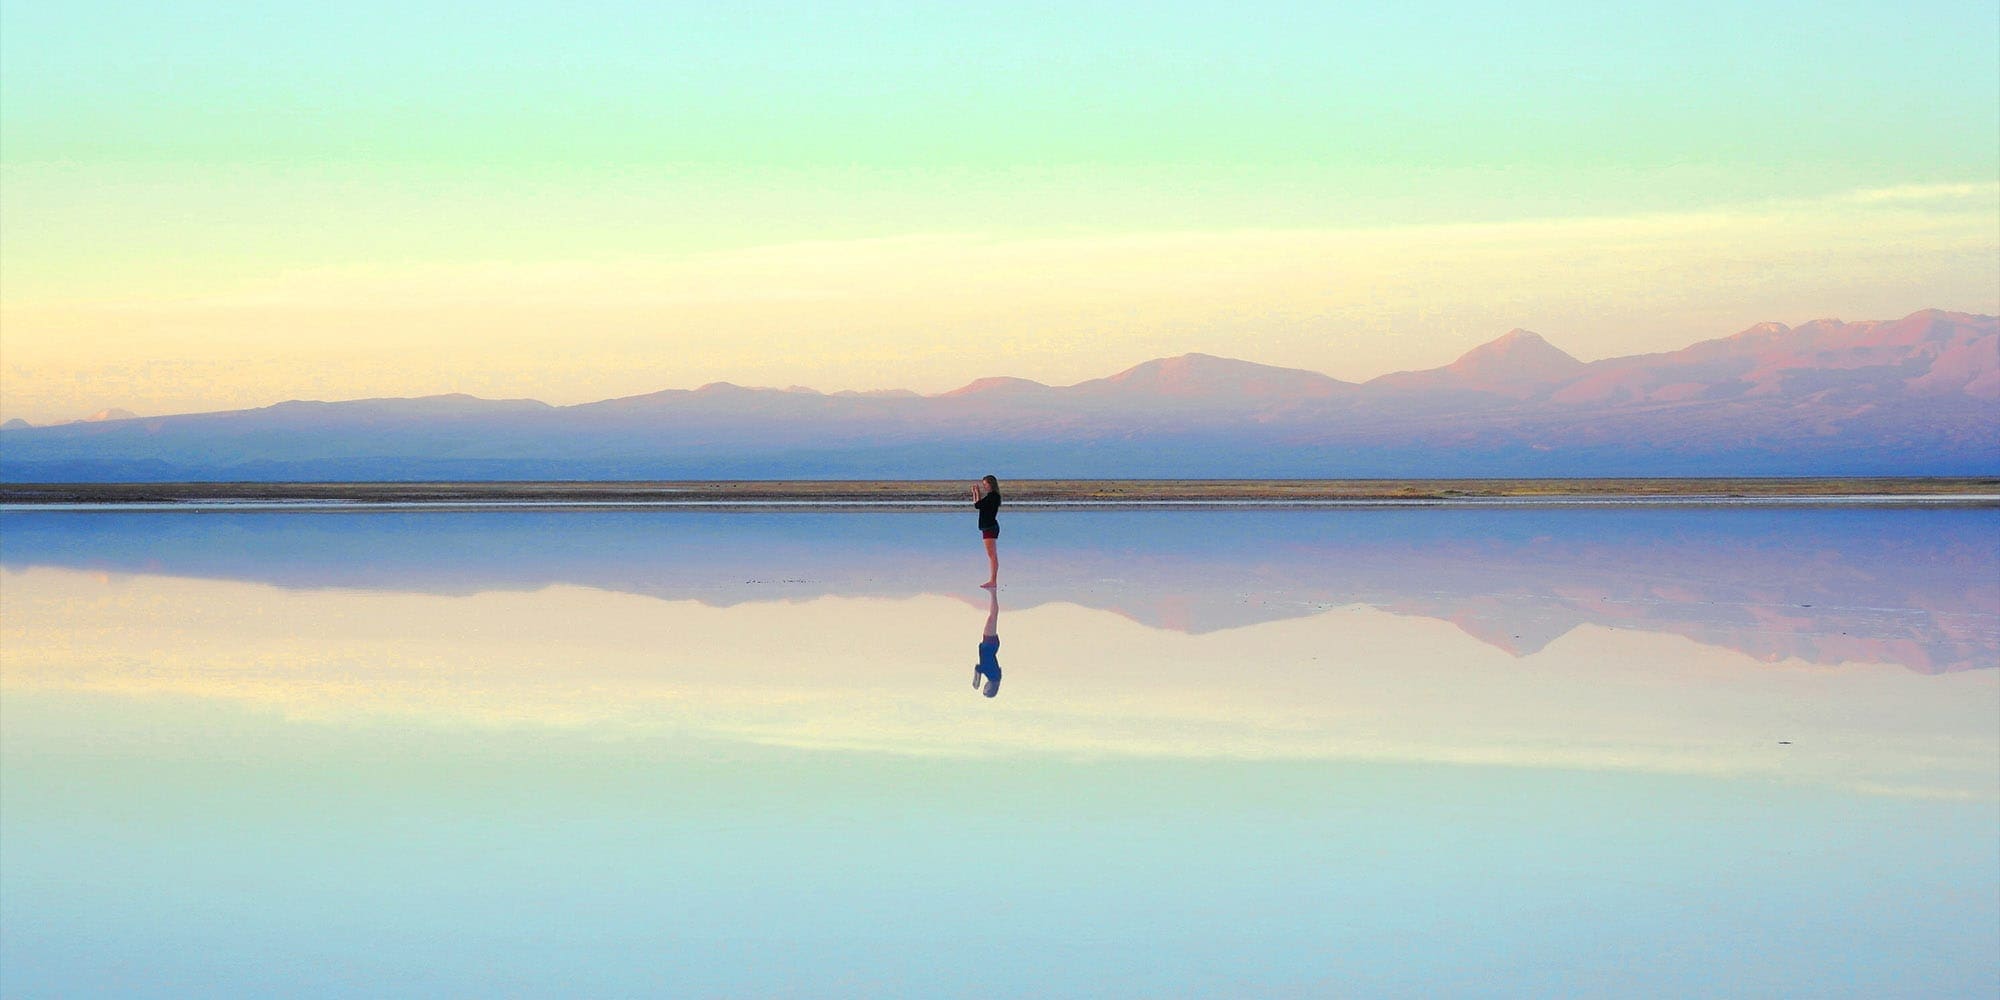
(214, 205)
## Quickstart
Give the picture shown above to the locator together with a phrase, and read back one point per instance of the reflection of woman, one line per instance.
(988, 669)
(986, 497)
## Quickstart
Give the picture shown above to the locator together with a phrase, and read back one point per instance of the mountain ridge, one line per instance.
(1505, 350)
(1910, 396)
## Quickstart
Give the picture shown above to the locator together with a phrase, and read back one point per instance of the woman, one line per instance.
(986, 497)
(986, 673)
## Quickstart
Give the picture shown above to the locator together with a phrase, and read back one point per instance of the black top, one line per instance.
(989, 511)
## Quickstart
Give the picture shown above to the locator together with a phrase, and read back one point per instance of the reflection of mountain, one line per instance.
(1916, 587)
(1914, 396)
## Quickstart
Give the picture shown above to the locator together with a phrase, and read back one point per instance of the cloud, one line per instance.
(1924, 192)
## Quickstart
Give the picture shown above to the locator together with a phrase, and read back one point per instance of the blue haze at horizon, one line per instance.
(167, 844)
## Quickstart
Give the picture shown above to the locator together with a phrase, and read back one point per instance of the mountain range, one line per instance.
(1914, 396)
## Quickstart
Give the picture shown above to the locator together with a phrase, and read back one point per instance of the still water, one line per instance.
(1588, 751)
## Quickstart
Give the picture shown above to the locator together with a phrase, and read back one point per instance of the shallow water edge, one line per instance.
(1984, 491)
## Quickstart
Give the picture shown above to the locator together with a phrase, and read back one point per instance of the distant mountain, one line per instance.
(110, 413)
(1518, 365)
(1929, 353)
(1915, 396)
(1212, 381)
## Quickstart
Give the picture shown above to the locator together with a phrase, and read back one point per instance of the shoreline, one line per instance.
(866, 494)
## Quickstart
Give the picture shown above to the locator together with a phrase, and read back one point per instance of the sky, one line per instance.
(219, 205)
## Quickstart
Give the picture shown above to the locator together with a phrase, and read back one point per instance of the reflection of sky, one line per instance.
(235, 853)
(441, 759)
(886, 674)
(1915, 587)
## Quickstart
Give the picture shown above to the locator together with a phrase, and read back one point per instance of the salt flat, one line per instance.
(1439, 750)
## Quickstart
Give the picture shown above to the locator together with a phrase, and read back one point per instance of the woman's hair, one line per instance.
(995, 483)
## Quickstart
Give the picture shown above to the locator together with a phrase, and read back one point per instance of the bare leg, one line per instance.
(992, 560)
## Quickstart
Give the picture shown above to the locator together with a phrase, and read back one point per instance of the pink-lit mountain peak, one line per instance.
(1767, 332)
(1926, 326)
(999, 385)
(1936, 327)
(1518, 364)
(1191, 375)
(730, 388)
(1516, 354)
(1833, 344)
(879, 394)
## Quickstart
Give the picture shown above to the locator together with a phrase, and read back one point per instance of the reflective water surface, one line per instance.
(1680, 751)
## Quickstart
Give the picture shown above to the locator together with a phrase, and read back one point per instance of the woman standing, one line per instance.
(986, 497)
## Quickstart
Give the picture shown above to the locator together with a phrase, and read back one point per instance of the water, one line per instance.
(1382, 751)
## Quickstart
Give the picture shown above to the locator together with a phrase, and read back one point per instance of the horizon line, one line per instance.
(100, 416)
